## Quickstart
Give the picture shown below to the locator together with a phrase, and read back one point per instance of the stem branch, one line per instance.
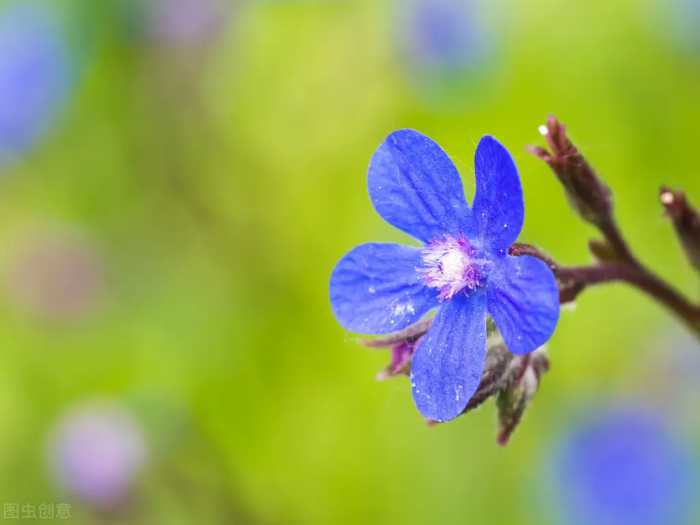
(574, 279)
(592, 199)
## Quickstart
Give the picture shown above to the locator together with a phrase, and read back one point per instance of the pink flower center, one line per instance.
(451, 264)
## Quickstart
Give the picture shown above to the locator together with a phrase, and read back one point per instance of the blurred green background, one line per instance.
(167, 243)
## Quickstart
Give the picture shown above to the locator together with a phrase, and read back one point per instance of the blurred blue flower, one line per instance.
(624, 467)
(449, 49)
(443, 35)
(35, 70)
(686, 14)
(96, 452)
(463, 267)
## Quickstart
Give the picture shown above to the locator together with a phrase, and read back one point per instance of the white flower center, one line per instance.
(450, 265)
(453, 263)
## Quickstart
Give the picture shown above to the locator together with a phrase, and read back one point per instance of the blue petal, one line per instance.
(375, 289)
(498, 203)
(523, 299)
(415, 187)
(446, 368)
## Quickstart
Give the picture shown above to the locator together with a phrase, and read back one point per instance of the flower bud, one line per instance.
(685, 220)
(496, 371)
(602, 250)
(403, 345)
(524, 380)
(586, 192)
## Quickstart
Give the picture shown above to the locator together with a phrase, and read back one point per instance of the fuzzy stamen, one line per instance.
(451, 264)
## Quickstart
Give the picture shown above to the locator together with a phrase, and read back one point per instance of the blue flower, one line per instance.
(624, 467)
(34, 75)
(463, 267)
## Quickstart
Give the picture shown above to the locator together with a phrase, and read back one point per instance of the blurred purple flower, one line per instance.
(624, 467)
(96, 452)
(187, 22)
(443, 36)
(56, 277)
(35, 67)
(174, 23)
(463, 268)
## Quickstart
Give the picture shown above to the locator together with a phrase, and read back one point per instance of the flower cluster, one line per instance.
(463, 269)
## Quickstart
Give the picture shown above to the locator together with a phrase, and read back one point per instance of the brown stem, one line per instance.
(617, 242)
(592, 199)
